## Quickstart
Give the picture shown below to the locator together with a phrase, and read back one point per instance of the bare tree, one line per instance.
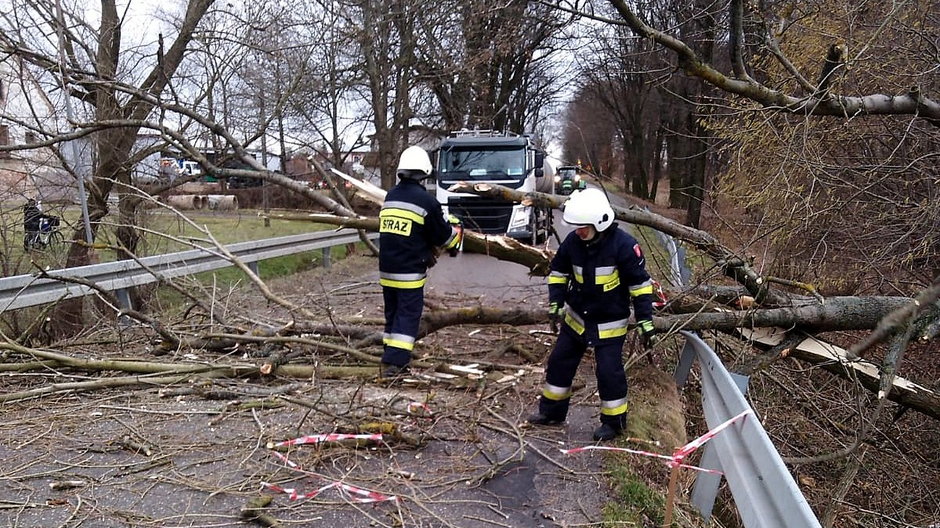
(329, 106)
(490, 66)
(93, 55)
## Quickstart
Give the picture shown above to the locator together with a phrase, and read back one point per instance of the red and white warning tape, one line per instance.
(669, 460)
(333, 437)
(352, 493)
(675, 460)
(364, 496)
(687, 449)
(419, 408)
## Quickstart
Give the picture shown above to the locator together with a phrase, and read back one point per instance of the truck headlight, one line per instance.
(519, 219)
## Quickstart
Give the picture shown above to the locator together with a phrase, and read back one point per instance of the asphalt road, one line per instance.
(492, 280)
(534, 492)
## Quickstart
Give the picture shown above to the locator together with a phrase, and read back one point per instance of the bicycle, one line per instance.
(47, 234)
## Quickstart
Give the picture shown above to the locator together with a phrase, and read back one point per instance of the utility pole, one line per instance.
(264, 159)
(79, 174)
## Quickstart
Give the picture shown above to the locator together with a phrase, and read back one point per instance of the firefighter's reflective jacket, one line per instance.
(411, 224)
(596, 282)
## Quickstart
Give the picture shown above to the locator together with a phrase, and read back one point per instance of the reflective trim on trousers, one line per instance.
(614, 407)
(556, 393)
(402, 341)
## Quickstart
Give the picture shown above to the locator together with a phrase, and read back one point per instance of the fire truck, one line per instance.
(503, 158)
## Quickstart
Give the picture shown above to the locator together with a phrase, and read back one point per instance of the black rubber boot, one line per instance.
(606, 432)
(393, 371)
(541, 419)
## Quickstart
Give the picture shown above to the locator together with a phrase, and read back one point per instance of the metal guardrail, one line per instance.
(21, 291)
(763, 488)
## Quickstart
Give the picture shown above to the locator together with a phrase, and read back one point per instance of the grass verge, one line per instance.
(656, 423)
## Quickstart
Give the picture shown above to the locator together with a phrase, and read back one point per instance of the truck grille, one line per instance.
(480, 215)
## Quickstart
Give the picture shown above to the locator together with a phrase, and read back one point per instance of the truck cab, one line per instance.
(500, 158)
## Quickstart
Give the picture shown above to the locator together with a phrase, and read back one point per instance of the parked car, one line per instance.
(238, 182)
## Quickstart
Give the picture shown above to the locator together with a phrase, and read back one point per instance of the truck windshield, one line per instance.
(481, 164)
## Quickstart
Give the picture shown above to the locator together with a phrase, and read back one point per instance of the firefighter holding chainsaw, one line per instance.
(412, 230)
(597, 273)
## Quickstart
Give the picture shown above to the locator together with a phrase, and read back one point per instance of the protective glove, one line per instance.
(457, 246)
(555, 312)
(432, 258)
(647, 333)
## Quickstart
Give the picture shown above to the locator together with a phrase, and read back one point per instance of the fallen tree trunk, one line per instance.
(497, 246)
(838, 313)
(433, 321)
(733, 265)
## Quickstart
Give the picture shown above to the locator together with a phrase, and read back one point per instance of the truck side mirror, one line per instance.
(539, 163)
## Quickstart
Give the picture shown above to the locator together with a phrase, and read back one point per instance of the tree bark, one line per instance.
(836, 314)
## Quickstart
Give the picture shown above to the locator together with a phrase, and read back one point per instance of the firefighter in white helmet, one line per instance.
(597, 273)
(411, 229)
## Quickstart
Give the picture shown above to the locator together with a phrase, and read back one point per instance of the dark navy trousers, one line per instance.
(563, 364)
(403, 307)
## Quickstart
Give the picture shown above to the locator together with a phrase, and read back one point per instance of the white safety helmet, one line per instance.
(414, 163)
(589, 207)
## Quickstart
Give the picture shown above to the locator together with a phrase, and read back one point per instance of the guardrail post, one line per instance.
(123, 296)
(253, 266)
(685, 364)
(327, 252)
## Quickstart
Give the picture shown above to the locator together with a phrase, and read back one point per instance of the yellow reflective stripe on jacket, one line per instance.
(453, 240)
(645, 288)
(607, 276)
(557, 277)
(406, 206)
(405, 281)
(578, 272)
(401, 213)
(556, 393)
(614, 407)
(402, 341)
(574, 321)
(604, 330)
(612, 329)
